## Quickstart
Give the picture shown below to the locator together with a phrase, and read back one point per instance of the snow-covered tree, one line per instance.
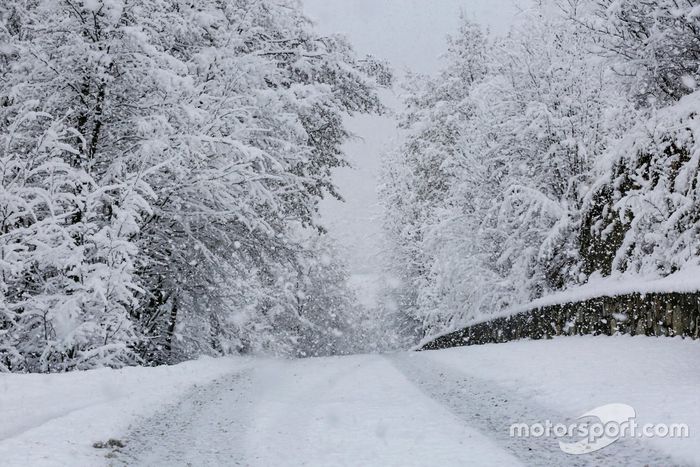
(487, 208)
(639, 217)
(654, 43)
(417, 176)
(175, 148)
(70, 211)
(265, 144)
(642, 215)
(67, 268)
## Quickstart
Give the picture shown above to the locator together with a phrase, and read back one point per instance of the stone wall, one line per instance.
(652, 314)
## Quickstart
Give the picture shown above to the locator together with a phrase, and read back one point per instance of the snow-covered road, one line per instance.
(444, 408)
(345, 411)
(367, 410)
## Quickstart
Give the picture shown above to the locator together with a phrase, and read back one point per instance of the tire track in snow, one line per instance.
(204, 428)
(491, 410)
(338, 411)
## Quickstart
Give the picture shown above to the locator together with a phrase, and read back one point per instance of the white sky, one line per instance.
(411, 35)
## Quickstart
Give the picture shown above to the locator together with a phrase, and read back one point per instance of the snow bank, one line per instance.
(683, 281)
(657, 376)
(54, 419)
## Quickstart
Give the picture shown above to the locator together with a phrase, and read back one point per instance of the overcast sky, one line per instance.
(410, 33)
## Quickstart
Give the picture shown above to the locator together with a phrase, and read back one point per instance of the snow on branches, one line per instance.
(160, 160)
(534, 161)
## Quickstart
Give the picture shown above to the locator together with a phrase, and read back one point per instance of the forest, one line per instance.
(162, 163)
(562, 155)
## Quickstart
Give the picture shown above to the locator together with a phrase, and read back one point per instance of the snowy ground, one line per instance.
(449, 407)
(55, 419)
